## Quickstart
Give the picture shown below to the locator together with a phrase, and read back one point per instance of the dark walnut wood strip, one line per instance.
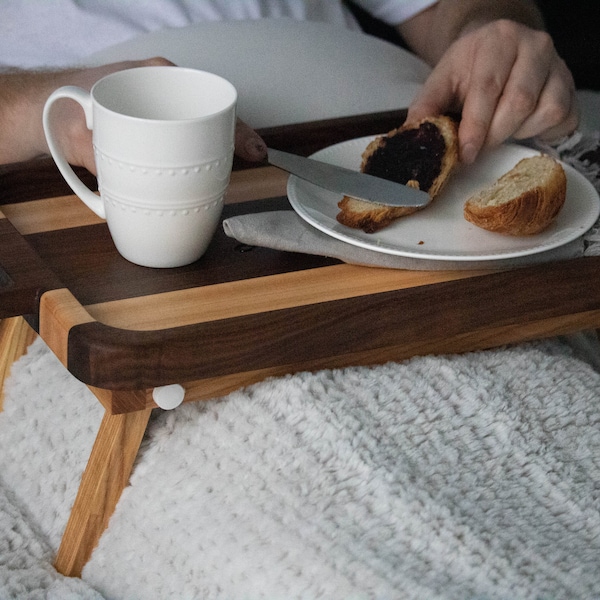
(24, 275)
(119, 359)
(37, 179)
(306, 138)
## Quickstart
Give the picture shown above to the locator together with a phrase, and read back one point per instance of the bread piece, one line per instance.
(421, 155)
(523, 201)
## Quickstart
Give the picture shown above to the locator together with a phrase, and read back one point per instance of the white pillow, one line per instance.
(288, 71)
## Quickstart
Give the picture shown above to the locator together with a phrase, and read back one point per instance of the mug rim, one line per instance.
(124, 73)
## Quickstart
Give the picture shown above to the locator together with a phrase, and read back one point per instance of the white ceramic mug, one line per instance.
(163, 144)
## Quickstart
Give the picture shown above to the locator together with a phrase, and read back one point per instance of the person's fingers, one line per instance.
(156, 61)
(521, 93)
(248, 144)
(86, 78)
(87, 157)
(539, 101)
(470, 79)
(567, 127)
(493, 60)
(556, 113)
(507, 81)
(435, 97)
(69, 121)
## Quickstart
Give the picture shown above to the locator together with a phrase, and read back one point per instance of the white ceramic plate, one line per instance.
(440, 231)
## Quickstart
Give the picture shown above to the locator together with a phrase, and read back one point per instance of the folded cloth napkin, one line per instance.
(285, 230)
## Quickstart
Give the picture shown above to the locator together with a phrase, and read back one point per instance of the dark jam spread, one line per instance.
(411, 154)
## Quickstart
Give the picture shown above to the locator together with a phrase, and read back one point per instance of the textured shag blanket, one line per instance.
(472, 476)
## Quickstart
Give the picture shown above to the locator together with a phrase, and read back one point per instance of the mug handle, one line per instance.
(81, 96)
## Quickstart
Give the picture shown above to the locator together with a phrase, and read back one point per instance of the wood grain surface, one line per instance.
(24, 275)
(375, 324)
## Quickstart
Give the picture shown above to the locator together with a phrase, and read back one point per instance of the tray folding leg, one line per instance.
(15, 337)
(105, 476)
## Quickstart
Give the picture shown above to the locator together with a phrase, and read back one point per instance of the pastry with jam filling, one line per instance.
(421, 155)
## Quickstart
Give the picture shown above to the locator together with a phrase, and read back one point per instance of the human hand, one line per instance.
(248, 144)
(507, 80)
(75, 138)
(68, 120)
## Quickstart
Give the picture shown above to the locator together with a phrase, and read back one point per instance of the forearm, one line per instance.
(22, 97)
(430, 33)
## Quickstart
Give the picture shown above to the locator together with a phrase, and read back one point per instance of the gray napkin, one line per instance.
(285, 230)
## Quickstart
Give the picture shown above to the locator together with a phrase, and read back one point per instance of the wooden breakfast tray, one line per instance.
(256, 311)
(239, 314)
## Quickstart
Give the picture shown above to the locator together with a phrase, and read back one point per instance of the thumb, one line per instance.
(248, 144)
(435, 97)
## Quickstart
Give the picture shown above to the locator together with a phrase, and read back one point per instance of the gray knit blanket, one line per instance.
(471, 476)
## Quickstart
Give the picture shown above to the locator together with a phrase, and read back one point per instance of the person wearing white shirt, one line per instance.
(492, 61)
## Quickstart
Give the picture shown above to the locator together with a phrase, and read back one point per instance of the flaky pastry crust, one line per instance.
(524, 201)
(369, 217)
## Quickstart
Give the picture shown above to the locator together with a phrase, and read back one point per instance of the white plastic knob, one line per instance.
(168, 397)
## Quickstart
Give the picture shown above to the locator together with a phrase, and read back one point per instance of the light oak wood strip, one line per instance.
(251, 296)
(15, 337)
(63, 212)
(50, 214)
(106, 475)
(256, 184)
(59, 311)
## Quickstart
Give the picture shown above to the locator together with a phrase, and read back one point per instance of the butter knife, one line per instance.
(347, 182)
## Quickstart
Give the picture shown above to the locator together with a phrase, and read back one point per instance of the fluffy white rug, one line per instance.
(472, 476)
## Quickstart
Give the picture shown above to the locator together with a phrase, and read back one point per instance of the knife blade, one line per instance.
(347, 182)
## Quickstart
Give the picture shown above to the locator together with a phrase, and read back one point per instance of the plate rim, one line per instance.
(378, 246)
